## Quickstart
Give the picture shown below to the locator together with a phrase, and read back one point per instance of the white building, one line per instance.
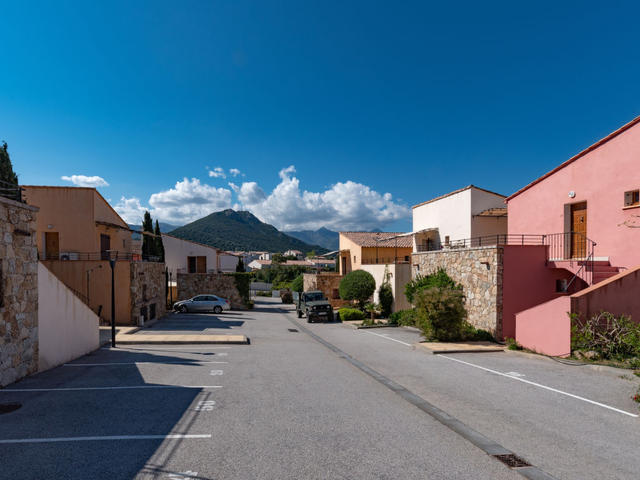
(184, 256)
(227, 261)
(294, 253)
(449, 220)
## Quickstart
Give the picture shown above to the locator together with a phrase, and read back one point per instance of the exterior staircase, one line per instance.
(602, 270)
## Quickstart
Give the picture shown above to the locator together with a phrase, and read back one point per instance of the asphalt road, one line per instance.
(289, 407)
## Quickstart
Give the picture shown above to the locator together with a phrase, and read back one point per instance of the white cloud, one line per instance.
(84, 181)
(344, 206)
(234, 172)
(217, 172)
(187, 201)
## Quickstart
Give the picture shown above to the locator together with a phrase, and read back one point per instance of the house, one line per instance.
(322, 263)
(588, 209)
(469, 214)
(77, 232)
(227, 261)
(294, 253)
(185, 256)
(264, 255)
(372, 248)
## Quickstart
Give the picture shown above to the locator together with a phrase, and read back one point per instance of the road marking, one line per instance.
(205, 405)
(73, 389)
(388, 338)
(174, 436)
(216, 372)
(515, 374)
(194, 362)
(123, 349)
(577, 397)
(183, 475)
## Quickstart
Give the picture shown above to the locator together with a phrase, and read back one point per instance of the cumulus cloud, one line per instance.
(187, 201)
(343, 206)
(85, 181)
(217, 172)
(234, 172)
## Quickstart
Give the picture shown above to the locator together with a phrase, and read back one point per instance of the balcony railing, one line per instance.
(11, 191)
(105, 255)
(485, 241)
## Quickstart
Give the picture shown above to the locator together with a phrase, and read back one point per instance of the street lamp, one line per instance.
(113, 255)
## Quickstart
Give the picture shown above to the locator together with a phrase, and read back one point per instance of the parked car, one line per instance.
(314, 306)
(202, 303)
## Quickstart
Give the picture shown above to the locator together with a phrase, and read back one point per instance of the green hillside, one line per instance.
(231, 230)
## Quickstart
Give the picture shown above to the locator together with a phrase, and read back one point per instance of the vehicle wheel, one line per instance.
(299, 313)
(183, 309)
(217, 309)
(309, 320)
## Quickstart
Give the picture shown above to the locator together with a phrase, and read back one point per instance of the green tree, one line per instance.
(157, 241)
(357, 285)
(240, 266)
(148, 245)
(277, 258)
(441, 313)
(297, 285)
(6, 170)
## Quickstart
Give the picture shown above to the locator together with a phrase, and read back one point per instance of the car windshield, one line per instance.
(313, 297)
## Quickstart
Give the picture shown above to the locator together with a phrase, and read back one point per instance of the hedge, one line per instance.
(349, 314)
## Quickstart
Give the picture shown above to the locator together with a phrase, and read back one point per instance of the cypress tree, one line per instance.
(6, 173)
(148, 244)
(159, 247)
(240, 265)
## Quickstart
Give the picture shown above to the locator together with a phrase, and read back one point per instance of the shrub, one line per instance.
(421, 282)
(286, 296)
(385, 294)
(405, 318)
(469, 332)
(349, 314)
(297, 285)
(441, 313)
(609, 336)
(243, 284)
(512, 344)
(357, 285)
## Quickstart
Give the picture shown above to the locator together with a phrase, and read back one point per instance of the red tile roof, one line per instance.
(380, 239)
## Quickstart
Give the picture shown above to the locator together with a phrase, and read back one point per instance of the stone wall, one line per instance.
(18, 291)
(327, 283)
(148, 291)
(479, 271)
(192, 284)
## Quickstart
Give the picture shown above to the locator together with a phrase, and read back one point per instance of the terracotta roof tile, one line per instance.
(380, 239)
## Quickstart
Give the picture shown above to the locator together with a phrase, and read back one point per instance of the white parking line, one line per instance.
(174, 436)
(577, 397)
(198, 362)
(74, 389)
(388, 338)
(198, 347)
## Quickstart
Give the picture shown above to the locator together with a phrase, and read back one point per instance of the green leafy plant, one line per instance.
(297, 285)
(243, 284)
(385, 295)
(421, 282)
(441, 313)
(6, 169)
(512, 344)
(350, 314)
(469, 332)
(405, 318)
(357, 285)
(372, 309)
(610, 337)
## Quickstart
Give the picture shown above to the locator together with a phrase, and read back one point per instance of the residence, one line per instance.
(294, 253)
(77, 232)
(372, 248)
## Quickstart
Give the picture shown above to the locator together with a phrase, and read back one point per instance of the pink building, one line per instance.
(588, 211)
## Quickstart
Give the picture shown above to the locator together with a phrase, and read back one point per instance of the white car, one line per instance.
(203, 303)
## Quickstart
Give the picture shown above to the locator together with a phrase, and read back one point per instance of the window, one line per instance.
(632, 198)
(446, 240)
(197, 264)
(354, 259)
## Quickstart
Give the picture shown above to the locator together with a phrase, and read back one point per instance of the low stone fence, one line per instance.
(148, 286)
(18, 291)
(327, 283)
(479, 271)
(192, 284)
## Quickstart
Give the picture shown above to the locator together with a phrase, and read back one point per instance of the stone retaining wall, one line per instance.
(479, 271)
(148, 291)
(192, 284)
(18, 291)
(327, 283)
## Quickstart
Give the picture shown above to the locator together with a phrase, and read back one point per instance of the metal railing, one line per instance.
(484, 241)
(105, 255)
(11, 191)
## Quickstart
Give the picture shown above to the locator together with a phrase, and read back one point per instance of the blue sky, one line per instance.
(376, 105)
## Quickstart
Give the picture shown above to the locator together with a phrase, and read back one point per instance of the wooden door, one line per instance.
(52, 245)
(202, 265)
(105, 246)
(579, 230)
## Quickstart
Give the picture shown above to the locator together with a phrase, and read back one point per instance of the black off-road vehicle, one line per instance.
(314, 306)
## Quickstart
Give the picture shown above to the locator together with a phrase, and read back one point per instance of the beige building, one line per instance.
(373, 248)
(77, 231)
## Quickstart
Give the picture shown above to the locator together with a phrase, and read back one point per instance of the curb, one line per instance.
(243, 341)
(456, 350)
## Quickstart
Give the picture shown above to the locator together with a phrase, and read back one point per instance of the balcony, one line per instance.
(94, 256)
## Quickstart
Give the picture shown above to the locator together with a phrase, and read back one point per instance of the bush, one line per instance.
(357, 285)
(512, 344)
(421, 282)
(469, 332)
(385, 294)
(297, 285)
(609, 336)
(243, 284)
(441, 313)
(405, 318)
(286, 296)
(349, 314)
(263, 293)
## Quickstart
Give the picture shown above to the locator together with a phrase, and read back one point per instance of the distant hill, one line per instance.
(231, 230)
(164, 227)
(323, 236)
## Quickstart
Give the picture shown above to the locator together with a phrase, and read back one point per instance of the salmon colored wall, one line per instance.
(546, 328)
(73, 274)
(619, 295)
(600, 178)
